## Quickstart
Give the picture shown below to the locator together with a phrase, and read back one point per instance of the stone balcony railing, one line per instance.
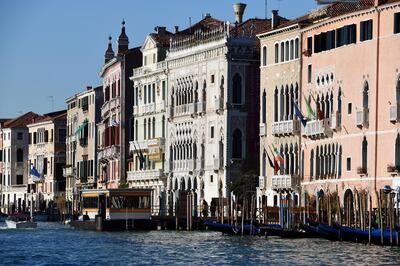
(109, 152)
(318, 129)
(140, 71)
(145, 143)
(281, 182)
(109, 105)
(69, 171)
(184, 165)
(144, 175)
(288, 127)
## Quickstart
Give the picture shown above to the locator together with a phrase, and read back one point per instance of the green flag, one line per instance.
(81, 127)
(310, 112)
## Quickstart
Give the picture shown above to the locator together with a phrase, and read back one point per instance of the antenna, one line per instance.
(266, 8)
(52, 102)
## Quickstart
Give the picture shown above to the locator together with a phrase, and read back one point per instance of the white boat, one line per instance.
(11, 224)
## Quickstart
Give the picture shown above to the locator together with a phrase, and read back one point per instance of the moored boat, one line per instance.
(20, 221)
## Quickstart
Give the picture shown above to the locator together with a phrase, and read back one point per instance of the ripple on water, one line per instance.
(52, 244)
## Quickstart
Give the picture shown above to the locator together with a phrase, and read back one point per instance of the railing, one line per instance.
(394, 112)
(285, 181)
(183, 165)
(362, 117)
(146, 69)
(262, 130)
(69, 171)
(108, 152)
(144, 175)
(184, 109)
(149, 108)
(318, 128)
(287, 127)
(144, 144)
(336, 121)
(109, 105)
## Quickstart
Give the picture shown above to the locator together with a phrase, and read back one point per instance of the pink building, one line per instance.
(350, 69)
(115, 129)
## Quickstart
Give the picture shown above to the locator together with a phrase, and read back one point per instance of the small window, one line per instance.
(212, 79)
(20, 135)
(397, 23)
(309, 45)
(309, 73)
(349, 108)
(212, 132)
(348, 163)
(366, 28)
(211, 178)
(154, 58)
(20, 179)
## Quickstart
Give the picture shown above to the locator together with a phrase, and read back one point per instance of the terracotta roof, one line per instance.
(51, 116)
(207, 22)
(254, 26)
(22, 120)
(162, 38)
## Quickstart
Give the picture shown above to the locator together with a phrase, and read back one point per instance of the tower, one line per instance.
(109, 52)
(123, 40)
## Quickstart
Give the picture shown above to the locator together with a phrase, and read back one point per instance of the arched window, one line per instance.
(365, 95)
(398, 91)
(221, 89)
(276, 104)
(20, 155)
(291, 50)
(237, 144)
(136, 130)
(163, 127)
(149, 128)
(364, 155)
(276, 53)
(204, 95)
(286, 103)
(154, 127)
(144, 128)
(281, 106)
(287, 51)
(312, 165)
(263, 165)
(264, 107)
(237, 89)
(340, 162)
(136, 96)
(145, 94)
(397, 152)
(317, 163)
(296, 48)
(282, 51)
(264, 56)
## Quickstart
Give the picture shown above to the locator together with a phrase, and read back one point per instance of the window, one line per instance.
(296, 48)
(1, 156)
(291, 50)
(264, 56)
(62, 133)
(145, 60)
(237, 89)
(145, 94)
(154, 58)
(276, 53)
(20, 179)
(136, 96)
(211, 178)
(396, 23)
(212, 79)
(364, 155)
(365, 95)
(20, 135)
(282, 52)
(163, 89)
(309, 45)
(309, 73)
(287, 51)
(237, 144)
(348, 163)
(349, 108)
(398, 91)
(20, 155)
(212, 132)
(154, 127)
(264, 107)
(163, 127)
(366, 28)
(397, 152)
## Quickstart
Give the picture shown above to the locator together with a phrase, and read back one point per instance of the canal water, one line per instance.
(55, 244)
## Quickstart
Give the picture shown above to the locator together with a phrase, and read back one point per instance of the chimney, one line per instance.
(274, 19)
(160, 30)
(239, 8)
(206, 15)
(88, 88)
(176, 29)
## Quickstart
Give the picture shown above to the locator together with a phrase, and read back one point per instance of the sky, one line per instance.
(52, 49)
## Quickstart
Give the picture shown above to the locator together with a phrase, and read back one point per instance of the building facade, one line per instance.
(150, 120)
(116, 129)
(15, 163)
(81, 170)
(47, 136)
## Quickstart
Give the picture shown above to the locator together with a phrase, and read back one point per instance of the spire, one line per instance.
(123, 40)
(109, 52)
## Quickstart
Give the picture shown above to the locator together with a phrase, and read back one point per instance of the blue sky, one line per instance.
(55, 48)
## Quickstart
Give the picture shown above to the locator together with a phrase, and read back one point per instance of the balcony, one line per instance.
(288, 127)
(109, 105)
(140, 71)
(201, 107)
(144, 175)
(261, 182)
(394, 112)
(262, 130)
(318, 129)
(69, 171)
(183, 165)
(362, 117)
(144, 144)
(218, 164)
(361, 170)
(285, 182)
(336, 121)
(184, 109)
(109, 152)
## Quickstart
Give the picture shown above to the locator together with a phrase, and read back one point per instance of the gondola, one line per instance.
(233, 229)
